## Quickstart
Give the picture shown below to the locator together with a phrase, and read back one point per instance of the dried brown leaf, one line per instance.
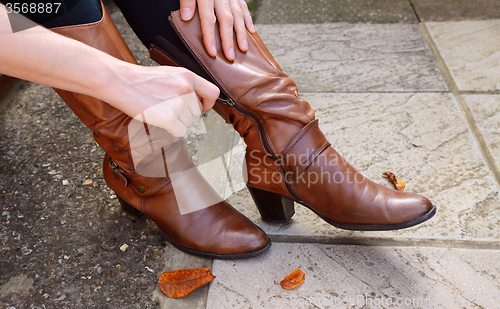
(293, 280)
(397, 183)
(179, 283)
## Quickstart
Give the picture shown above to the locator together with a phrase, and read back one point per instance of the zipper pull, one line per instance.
(229, 102)
(112, 163)
(117, 171)
(113, 166)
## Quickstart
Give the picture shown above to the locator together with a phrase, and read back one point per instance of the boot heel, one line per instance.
(273, 207)
(128, 208)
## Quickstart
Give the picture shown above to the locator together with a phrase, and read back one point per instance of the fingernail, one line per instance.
(186, 13)
(214, 50)
(245, 44)
(252, 28)
(231, 53)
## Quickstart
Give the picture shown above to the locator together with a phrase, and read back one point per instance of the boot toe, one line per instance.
(243, 238)
(410, 208)
(228, 235)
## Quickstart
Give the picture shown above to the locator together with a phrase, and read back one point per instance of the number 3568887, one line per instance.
(33, 8)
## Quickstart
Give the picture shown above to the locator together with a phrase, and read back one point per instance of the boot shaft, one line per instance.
(109, 125)
(262, 102)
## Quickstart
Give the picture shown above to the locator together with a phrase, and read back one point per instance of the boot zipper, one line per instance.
(115, 169)
(229, 101)
(240, 109)
(113, 165)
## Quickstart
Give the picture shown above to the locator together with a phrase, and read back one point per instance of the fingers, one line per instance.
(208, 19)
(164, 97)
(185, 117)
(239, 25)
(190, 108)
(226, 20)
(166, 115)
(233, 16)
(177, 128)
(247, 16)
(187, 9)
(195, 95)
(184, 109)
(193, 104)
(207, 91)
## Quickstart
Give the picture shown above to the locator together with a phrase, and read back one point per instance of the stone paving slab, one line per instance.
(174, 259)
(325, 11)
(359, 277)
(354, 57)
(471, 51)
(486, 112)
(424, 140)
(443, 10)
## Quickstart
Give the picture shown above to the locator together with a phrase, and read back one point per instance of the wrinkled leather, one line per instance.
(298, 151)
(217, 229)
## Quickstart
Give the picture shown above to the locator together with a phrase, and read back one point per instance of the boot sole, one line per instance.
(219, 256)
(377, 227)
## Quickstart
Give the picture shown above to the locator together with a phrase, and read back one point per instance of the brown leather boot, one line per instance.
(159, 183)
(288, 158)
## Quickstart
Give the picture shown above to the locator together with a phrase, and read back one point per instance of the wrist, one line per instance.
(111, 80)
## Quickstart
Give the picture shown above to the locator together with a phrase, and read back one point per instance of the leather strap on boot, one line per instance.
(158, 173)
(304, 148)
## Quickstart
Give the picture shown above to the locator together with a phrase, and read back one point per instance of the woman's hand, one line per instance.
(165, 97)
(233, 16)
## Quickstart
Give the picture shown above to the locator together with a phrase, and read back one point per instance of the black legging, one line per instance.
(149, 18)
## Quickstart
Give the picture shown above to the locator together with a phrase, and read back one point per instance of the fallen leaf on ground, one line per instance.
(179, 283)
(293, 280)
(87, 182)
(397, 183)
